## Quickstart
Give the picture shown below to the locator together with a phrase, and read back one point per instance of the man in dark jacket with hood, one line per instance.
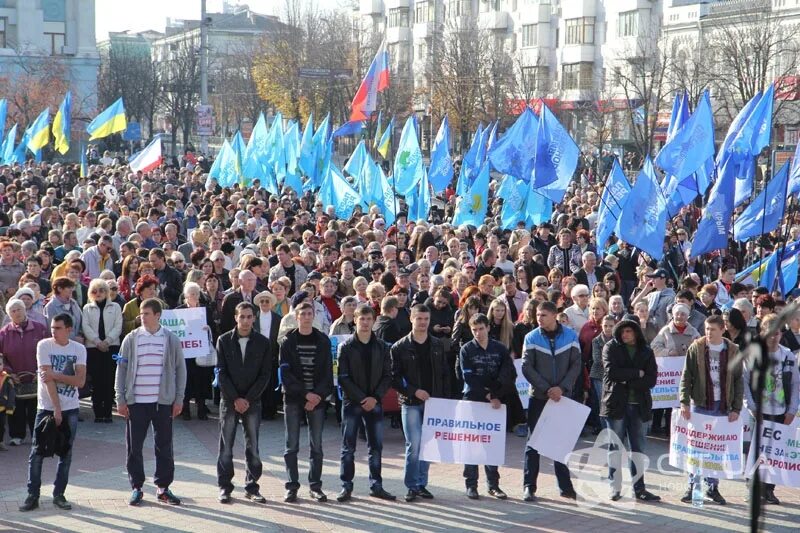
(365, 374)
(385, 327)
(630, 372)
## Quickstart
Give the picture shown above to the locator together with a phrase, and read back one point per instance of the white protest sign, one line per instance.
(748, 423)
(779, 456)
(336, 341)
(521, 384)
(462, 432)
(708, 445)
(188, 324)
(665, 393)
(558, 428)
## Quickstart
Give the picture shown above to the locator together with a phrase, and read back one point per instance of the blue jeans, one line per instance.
(631, 428)
(352, 415)
(712, 482)
(70, 418)
(293, 413)
(251, 421)
(415, 473)
(597, 396)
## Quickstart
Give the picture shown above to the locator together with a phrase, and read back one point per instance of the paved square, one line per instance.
(98, 491)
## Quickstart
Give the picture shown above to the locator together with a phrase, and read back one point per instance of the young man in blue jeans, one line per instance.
(419, 371)
(709, 387)
(62, 371)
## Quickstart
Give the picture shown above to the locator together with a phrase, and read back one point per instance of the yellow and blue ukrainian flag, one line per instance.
(110, 121)
(61, 125)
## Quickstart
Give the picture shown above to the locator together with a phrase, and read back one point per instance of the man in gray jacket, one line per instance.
(150, 382)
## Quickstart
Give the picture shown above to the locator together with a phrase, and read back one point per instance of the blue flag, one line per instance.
(291, 148)
(749, 140)
(343, 197)
(712, 230)
(419, 203)
(492, 138)
(556, 152)
(254, 158)
(643, 220)
(514, 193)
(275, 156)
(764, 214)
(383, 195)
(440, 173)
(408, 168)
(356, 160)
(612, 202)
(471, 163)
(3, 113)
(471, 207)
(7, 151)
(538, 208)
(514, 152)
(19, 152)
(348, 128)
(794, 172)
(692, 145)
(307, 156)
(224, 167)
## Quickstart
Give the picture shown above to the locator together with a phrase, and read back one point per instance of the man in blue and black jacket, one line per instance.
(489, 375)
(551, 363)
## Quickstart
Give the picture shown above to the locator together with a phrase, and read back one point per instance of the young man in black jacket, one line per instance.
(385, 326)
(626, 406)
(419, 371)
(488, 376)
(365, 375)
(307, 377)
(244, 362)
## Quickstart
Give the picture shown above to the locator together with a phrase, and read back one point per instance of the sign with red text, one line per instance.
(779, 455)
(462, 432)
(708, 445)
(665, 393)
(190, 327)
(558, 428)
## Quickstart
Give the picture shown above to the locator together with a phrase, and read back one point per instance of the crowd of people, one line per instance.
(88, 265)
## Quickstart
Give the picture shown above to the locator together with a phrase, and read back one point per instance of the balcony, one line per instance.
(424, 30)
(535, 14)
(494, 20)
(578, 53)
(391, 4)
(579, 8)
(371, 7)
(398, 35)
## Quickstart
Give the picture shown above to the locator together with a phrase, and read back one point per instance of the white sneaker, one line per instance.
(15, 442)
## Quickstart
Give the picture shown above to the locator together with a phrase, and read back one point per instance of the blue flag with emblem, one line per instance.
(440, 173)
(342, 195)
(471, 207)
(692, 145)
(643, 219)
(408, 168)
(556, 153)
(514, 152)
(514, 193)
(612, 201)
(712, 230)
(764, 214)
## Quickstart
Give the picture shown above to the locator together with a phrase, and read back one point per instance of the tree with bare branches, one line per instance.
(179, 74)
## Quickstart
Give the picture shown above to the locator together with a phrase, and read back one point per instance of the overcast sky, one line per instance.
(138, 15)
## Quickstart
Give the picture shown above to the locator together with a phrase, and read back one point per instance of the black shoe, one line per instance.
(255, 497)
(108, 420)
(769, 497)
(166, 496)
(382, 494)
(498, 493)
(136, 497)
(712, 494)
(290, 496)
(318, 495)
(687, 496)
(472, 493)
(224, 496)
(424, 493)
(61, 502)
(569, 494)
(99, 420)
(647, 496)
(186, 414)
(615, 496)
(31, 503)
(528, 495)
(344, 496)
(411, 495)
(202, 414)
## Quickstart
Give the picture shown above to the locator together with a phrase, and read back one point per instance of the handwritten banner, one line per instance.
(665, 393)
(188, 325)
(709, 445)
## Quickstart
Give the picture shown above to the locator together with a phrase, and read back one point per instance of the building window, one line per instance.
(398, 17)
(460, 8)
(422, 51)
(3, 26)
(577, 76)
(489, 5)
(57, 42)
(536, 78)
(424, 12)
(529, 35)
(579, 31)
(627, 24)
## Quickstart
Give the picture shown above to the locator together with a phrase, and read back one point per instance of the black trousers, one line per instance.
(22, 419)
(198, 382)
(102, 370)
(141, 416)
